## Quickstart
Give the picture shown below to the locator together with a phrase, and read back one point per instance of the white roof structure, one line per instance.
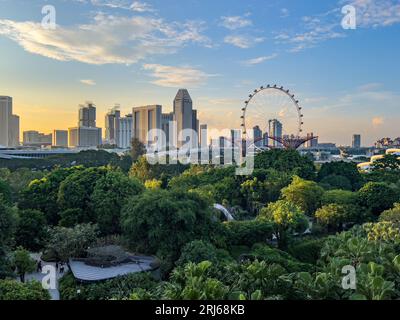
(87, 273)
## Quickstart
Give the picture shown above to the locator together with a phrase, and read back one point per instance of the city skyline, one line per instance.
(220, 55)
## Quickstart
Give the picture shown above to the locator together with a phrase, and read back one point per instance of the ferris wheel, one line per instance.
(276, 112)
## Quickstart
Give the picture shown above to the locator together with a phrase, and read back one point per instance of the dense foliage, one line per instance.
(298, 230)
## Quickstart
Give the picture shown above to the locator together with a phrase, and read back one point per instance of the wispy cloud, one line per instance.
(235, 22)
(88, 82)
(107, 39)
(255, 61)
(137, 6)
(243, 41)
(176, 77)
(376, 13)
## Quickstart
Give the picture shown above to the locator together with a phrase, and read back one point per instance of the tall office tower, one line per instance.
(195, 127)
(86, 134)
(36, 139)
(265, 140)
(145, 119)
(125, 131)
(112, 125)
(313, 142)
(203, 136)
(87, 115)
(167, 127)
(9, 123)
(275, 130)
(356, 143)
(13, 138)
(185, 117)
(60, 138)
(258, 136)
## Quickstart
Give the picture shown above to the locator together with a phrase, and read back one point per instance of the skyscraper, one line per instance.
(9, 123)
(356, 143)
(313, 142)
(185, 117)
(145, 119)
(203, 136)
(125, 132)
(258, 136)
(275, 130)
(87, 115)
(112, 125)
(86, 134)
(167, 127)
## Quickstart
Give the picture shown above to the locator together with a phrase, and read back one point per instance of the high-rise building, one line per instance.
(145, 119)
(203, 136)
(125, 131)
(37, 139)
(112, 125)
(87, 115)
(275, 130)
(356, 143)
(185, 117)
(313, 140)
(60, 138)
(167, 127)
(86, 134)
(258, 135)
(9, 123)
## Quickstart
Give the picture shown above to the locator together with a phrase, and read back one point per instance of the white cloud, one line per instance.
(376, 13)
(176, 77)
(242, 41)
(377, 121)
(252, 62)
(285, 13)
(88, 82)
(235, 22)
(137, 6)
(107, 39)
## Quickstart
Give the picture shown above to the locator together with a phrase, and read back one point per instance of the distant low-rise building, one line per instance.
(60, 138)
(34, 138)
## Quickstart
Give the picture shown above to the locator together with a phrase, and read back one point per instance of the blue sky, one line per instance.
(136, 52)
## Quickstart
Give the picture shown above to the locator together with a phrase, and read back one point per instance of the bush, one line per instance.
(247, 233)
(377, 197)
(196, 252)
(118, 288)
(307, 250)
(14, 290)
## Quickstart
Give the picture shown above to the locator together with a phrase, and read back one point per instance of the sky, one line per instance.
(141, 52)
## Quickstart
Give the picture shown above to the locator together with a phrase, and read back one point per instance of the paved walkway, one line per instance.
(54, 293)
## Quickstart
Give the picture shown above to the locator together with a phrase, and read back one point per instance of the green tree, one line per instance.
(42, 194)
(334, 216)
(342, 197)
(377, 197)
(8, 221)
(109, 196)
(138, 149)
(76, 191)
(388, 162)
(193, 282)
(391, 215)
(344, 169)
(23, 262)
(31, 229)
(334, 181)
(68, 243)
(14, 290)
(306, 194)
(198, 251)
(287, 219)
(286, 161)
(162, 222)
(5, 192)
